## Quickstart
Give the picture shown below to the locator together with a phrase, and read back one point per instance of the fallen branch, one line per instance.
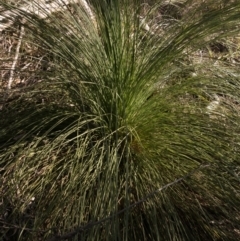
(15, 58)
(42, 10)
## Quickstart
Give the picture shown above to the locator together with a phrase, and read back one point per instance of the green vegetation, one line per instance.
(117, 113)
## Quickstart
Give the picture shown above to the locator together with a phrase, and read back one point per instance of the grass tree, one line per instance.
(128, 109)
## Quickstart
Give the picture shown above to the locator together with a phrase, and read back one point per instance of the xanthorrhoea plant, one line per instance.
(134, 119)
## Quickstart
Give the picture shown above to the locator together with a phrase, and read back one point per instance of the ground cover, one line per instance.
(99, 114)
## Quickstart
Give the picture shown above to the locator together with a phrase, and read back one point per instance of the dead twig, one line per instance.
(15, 58)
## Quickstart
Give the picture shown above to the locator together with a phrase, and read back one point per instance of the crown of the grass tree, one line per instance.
(127, 110)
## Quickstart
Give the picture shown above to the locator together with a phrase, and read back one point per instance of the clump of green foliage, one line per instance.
(134, 118)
